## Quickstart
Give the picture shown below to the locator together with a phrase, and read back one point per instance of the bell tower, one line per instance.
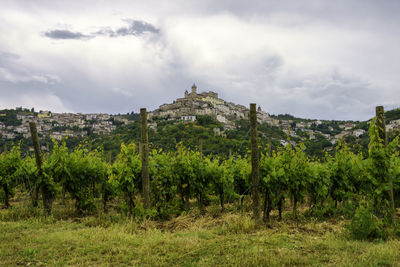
(194, 89)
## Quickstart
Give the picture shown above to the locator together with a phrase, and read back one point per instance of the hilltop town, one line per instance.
(186, 109)
(57, 125)
(207, 103)
(195, 104)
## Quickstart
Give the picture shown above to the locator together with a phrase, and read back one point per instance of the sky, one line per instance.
(311, 58)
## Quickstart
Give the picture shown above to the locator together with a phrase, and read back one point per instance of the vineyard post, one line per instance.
(46, 193)
(380, 123)
(255, 179)
(145, 158)
(140, 148)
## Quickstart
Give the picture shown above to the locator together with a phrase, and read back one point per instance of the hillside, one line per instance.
(222, 126)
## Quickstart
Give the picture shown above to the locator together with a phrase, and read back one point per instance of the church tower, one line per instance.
(194, 90)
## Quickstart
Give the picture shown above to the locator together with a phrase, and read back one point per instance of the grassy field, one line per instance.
(228, 239)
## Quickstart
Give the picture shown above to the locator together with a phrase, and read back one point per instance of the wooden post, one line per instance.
(46, 192)
(140, 148)
(255, 179)
(145, 159)
(36, 146)
(380, 123)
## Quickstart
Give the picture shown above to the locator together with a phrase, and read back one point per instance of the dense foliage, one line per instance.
(335, 184)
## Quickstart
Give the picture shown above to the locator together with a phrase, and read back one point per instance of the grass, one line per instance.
(227, 239)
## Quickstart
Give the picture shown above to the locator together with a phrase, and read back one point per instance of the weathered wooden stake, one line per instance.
(254, 163)
(380, 123)
(145, 159)
(140, 148)
(46, 192)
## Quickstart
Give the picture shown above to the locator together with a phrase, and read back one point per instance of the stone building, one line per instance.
(206, 103)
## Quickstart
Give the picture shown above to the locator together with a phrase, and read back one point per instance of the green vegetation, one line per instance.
(321, 211)
(187, 178)
(9, 116)
(393, 114)
(167, 134)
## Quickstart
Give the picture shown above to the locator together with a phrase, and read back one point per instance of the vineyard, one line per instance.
(363, 188)
(229, 198)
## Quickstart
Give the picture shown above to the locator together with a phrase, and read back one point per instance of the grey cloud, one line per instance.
(65, 34)
(8, 56)
(135, 27)
(327, 95)
(12, 72)
(7, 59)
(107, 31)
(18, 76)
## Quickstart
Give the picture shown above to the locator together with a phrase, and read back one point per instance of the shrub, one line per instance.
(366, 226)
(397, 229)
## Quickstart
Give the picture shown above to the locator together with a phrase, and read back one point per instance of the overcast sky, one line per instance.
(313, 59)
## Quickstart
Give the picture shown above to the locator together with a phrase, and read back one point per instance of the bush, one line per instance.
(321, 212)
(397, 229)
(350, 206)
(366, 226)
